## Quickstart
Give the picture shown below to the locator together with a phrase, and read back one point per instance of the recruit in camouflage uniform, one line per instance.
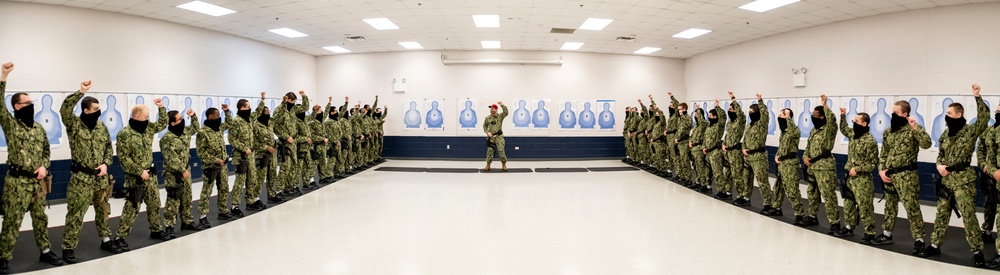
(862, 154)
(695, 145)
(304, 139)
(666, 153)
(787, 159)
(27, 179)
(334, 132)
(89, 183)
(732, 147)
(265, 156)
(642, 130)
(992, 169)
(626, 136)
(380, 131)
(286, 126)
(682, 153)
(241, 138)
(260, 142)
(986, 152)
(175, 145)
(493, 127)
(898, 171)
(954, 165)
(658, 140)
(821, 167)
(357, 114)
(135, 151)
(632, 136)
(755, 154)
(211, 149)
(346, 139)
(321, 144)
(713, 150)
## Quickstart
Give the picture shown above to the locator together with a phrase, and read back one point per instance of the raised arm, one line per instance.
(5, 117)
(982, 114)
(192, 128)
(161, 118)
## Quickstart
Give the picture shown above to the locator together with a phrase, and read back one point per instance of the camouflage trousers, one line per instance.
(219, 180)
(991, 201)
(862, 205)
(628, 145)
(737, 176)
(965, 198)
(759, 169)
(700, 166)
(20, 196)
(721, 179)
(643, 150)
(244, 180)
(907, 187)
(659, 155)
(179, 201)
(288, 172)
(266, 173)
(342, 158)
(682, 167)
(823, 192)
(499, 141)
(150, 193)
(669, 156)
(356, 155)
(83, 191)
(319, 163)
(305, 166)
(788, 178)
(329, 169)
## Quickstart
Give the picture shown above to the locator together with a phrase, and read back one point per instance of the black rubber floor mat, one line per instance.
(561, 170)
(401, 169)
(612, 169)
(452, 170)
(509, 170)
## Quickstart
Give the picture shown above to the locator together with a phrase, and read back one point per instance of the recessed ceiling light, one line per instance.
(766, 5)
(290, 33)
(572, 46)
(647, 50)
(691, 33)
(411, 45)
(595, 24)
(491, 44)
(381, 23)
(486, 20)
(337, 49)
(206, 8)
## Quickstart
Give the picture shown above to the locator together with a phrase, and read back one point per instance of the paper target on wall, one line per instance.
(918, 107)
(434, 116)
(468, 116)
(854, 105)
(880, 110)
(170, 103)
(47, 114)
(605, 110)
(971, 112)
(803, 115)
(832, 103)
(206, 102)
(114, 112)
(540, 117)
(412, 115)
(586, 117)
(939, 109)
(567, 115)
(772, 112)
(520, 113)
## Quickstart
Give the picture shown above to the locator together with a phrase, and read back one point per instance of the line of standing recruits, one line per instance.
(731, 154)
(312, 150)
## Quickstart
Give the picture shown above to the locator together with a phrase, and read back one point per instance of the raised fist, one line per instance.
(190, 112)
(7, 67)
(302, 93)
(975, 89)
(158, 102)
(262, 95)
(85, 86)
(731, 94)
(843, 111)
(225, 107)
(758, 97)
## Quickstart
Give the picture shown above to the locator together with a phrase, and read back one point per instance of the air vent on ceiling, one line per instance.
(561, 30)
(355, 38)
(625, 39)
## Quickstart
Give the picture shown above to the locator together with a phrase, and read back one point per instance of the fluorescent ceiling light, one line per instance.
(647, 50)
(381, 23)
(337, 49)
(691, 33)
(491, 44)
(572, 46)
(486, 20)
(766, 5)
(411, 45)
(290, 33)
(595, 24)
(206, 8)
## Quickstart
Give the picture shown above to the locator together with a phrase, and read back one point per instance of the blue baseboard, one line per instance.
(516, 147)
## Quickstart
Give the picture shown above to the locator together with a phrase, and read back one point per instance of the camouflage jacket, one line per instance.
(90, 148)
(210, 145)
(900, 147)
(713, 133)
(862, 152)
(987, 151)
(682, 123)
(657, 128)
(241, 133)
(698, 133)
(734, 129)
(494, 123)
(27, 147)
(756, 134)
(176, 149)
(283, 121)
(318, 131)
(822, 140)
(333, 130)
(135, 149)
(788, 143)
(346, 129)
(263, 138)
(958, 149)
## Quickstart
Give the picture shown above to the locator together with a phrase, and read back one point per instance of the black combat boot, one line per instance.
(111, 246)
(68, 256)
(50, 258)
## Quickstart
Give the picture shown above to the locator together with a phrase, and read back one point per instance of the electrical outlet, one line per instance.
(447, 147)
(517, 148)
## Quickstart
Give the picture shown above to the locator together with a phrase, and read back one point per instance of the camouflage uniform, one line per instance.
(697, 143)
(27, 149)
(665, 153)
(642, 127)
(334, 133)
(682, 124)
(318, 130)
(135, 151)
(862, 154)
(90, 148)
(176, 150)
(713, 146)
(285, 125)
(211, 148)
(266, 162)
(303, 137)
(956, 152)
(241, 138)
(753, 142)
(788, 169)
(822, 173)
(380, 132)
(734, 153)
(899, 150)
(986, 152)
(359, 138)
(658, 140)
(494, 124)
(629, 146)
(346, 140)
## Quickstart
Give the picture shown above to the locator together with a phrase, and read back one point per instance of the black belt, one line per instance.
(716, 147)
(789, 156)
(958, 167)
(682, 139)
(911, 167)
(138, 178)
(758, 150)
(695, 144)
(671, 132)
(499, 133)
(821, 156)
(18, 171)
(76, 167)
(738, 146)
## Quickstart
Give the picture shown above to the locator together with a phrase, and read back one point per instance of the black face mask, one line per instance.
(657, 118)
(996, 119)
(177, 129)
(713, 121)
(732, 116)
(672, 111)
(213, 123)
(263, 119)
(289, 105)
(898, 122)
(138, 126)
(319, 116)
(378, 115)
(754, 117)
(334, 116)
(245, 114)
(954, 125)
(26, 115)
(782, 123)
(818, 122)
(860, 130)
(90, 120)
(301, 116)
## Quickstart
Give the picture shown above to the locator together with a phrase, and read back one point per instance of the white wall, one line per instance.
(583, 76)
(55, 48)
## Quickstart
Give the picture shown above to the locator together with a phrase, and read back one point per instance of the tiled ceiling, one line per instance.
(525, 24)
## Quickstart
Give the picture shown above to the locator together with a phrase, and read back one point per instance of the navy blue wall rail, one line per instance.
(529, 147)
